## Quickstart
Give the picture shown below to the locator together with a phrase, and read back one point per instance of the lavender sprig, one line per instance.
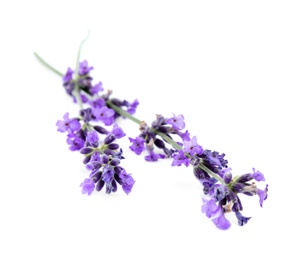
(103, 155)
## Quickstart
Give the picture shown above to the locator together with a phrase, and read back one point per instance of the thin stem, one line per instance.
(123, 112)
(204, 168)
(76, 76)
(167, 139)
(43, 62)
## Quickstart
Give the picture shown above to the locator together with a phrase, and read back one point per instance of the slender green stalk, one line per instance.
(76, 76)
(43, 62)
(204, 168)
(167, 139)
(123, 112)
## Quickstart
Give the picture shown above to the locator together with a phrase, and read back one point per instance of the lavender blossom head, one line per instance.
(84, 69)
(117, 131)
(193, 147)
(137, 145)
(69, 125)
(177, 122)
(180, 158)
(68, 75)
(104, 114)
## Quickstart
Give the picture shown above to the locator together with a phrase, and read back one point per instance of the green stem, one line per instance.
(123, 112)
(76, 76)
(43, 62)
(210, 172)
(167, 139)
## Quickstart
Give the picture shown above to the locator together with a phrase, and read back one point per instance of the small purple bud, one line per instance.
(101, 130)
(100, 185)
(227, 177)
(115, 162)
(238, 187)
(244, 178)
(118, 169)
(109, 139)
(87, 159)
(113, 146)
(159, 143)
(86, 150)
(104, 159)
(109, 152)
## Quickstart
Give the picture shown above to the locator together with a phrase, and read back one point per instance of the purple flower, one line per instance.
(117, 131)
(96, 88)
(87, 114)
(193, 147)
(93, 138)
(69, 125)
(210, 208)
(257, 175)
(132, 107)
(220, 192)
(97, 103)
(137, 145)
(83, 98)
(177, 122)
(184, 136)
(108, 174)
(179, 159)
(104, 114)
(127, 181)
(87, 186)
(95, 157)
(152, 157)
(75, 142)
(241, 219)
(221, 222)
(68, 75)
(83, 68)
(262, 194)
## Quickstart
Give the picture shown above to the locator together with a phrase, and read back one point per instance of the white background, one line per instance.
(228, 66)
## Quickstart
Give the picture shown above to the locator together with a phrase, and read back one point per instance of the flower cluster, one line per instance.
(148, 139)
(102, 154)
(209, 167)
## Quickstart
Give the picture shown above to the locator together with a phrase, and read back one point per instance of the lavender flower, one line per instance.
(87, 186)
(177, 122)
(84, 69)
(69, 125)
(193, 147)
(93, 138)
(258, 176)
(104, 114)
(137, 145)
(180, 158)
